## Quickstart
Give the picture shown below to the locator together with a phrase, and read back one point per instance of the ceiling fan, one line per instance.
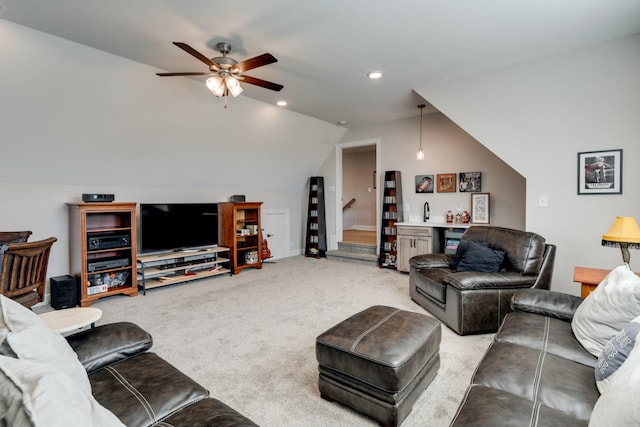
(226, 73)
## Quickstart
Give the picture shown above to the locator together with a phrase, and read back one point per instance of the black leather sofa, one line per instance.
(139, 387)
(473, 302)
(535, 373)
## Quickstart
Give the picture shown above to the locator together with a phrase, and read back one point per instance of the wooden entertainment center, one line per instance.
(104, 253)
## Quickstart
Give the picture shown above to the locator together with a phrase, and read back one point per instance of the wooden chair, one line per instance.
(7, 237)
(23, 270)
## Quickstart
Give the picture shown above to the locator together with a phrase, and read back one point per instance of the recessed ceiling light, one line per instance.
(342, 122)
(374, 75)
(281, 103)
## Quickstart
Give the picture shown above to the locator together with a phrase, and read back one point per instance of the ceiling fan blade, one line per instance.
(250, 64)
(196, 54)
(261, 83)
(186, 73)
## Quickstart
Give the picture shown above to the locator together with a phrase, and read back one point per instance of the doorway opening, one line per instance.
(357, 166)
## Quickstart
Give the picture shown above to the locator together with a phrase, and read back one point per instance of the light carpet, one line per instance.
(250, 338)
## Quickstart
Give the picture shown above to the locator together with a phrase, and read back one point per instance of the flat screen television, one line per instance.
(177, 226)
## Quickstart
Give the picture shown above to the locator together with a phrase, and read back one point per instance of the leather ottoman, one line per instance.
(379, 361)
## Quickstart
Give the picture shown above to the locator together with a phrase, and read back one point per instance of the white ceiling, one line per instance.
(326, 48)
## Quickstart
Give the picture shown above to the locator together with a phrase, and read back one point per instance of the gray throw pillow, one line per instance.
(480, 258)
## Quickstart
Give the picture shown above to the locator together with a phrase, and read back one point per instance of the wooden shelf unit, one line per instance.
(392, 213)
(167, 268)
(240, 230)
(103, 221)
(316, 241)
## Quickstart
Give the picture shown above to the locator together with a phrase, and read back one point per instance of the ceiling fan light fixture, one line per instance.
(215, 85)
(233, 85)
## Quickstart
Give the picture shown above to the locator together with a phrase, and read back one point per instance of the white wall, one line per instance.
(448, 149)
(537, 116)
(76, 120)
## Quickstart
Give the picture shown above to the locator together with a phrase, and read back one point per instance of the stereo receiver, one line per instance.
(108, 241)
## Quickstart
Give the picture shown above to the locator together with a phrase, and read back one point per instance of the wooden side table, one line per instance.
(589, 278)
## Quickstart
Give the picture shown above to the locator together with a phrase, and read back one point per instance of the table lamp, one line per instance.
(624, 233)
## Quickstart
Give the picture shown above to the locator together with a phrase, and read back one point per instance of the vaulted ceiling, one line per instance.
(326, 48)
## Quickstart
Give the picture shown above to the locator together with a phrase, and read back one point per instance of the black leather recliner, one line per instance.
(472, 302)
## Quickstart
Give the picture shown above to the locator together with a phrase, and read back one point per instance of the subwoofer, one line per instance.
(64, 292)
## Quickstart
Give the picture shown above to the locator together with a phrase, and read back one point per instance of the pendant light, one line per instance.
(420, 155)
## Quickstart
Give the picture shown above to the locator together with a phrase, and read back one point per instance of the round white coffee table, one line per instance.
(69, 319)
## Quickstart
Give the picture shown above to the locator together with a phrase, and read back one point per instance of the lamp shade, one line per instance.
(624, 233)
(623, 230)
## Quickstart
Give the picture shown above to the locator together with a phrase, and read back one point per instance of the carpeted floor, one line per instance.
(250, 338)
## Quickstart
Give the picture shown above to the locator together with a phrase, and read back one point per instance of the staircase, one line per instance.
(355, 253)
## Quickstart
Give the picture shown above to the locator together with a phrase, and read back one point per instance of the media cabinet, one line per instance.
(240, 229)
(102, 249)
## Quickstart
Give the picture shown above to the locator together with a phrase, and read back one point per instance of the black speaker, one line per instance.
(64, 292)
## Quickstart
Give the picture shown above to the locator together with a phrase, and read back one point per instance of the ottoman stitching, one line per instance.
(371, 329)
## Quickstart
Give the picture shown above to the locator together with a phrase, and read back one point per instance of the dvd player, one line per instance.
(107, 264)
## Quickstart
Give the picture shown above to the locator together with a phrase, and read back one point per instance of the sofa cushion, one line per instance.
(613, 304)
(618, 405)
(37, 395)
(461, 249)
(144, 389)
(544, 333)
(23, 334)
(480, 258)
(208, 412)
(488, 407)
(533, 374)
(616, 352)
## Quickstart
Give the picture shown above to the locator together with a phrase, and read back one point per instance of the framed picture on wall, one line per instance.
(424, 183)
(480, 213)
(470, 182)
(446, 182)
(600, 172)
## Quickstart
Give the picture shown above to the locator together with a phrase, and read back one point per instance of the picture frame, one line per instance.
(470, 182)
(424, 184)
(480, 208)
(600, 172)
(446, 182)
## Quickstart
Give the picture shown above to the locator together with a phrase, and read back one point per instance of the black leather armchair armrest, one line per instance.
(467, 280)
(422, 262)
(100, 346)
(547, 303)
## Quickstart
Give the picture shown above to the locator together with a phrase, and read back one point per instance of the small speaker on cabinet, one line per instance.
(64, 292)
(237, 198)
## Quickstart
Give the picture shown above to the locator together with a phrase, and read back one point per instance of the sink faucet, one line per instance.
(427, 211)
